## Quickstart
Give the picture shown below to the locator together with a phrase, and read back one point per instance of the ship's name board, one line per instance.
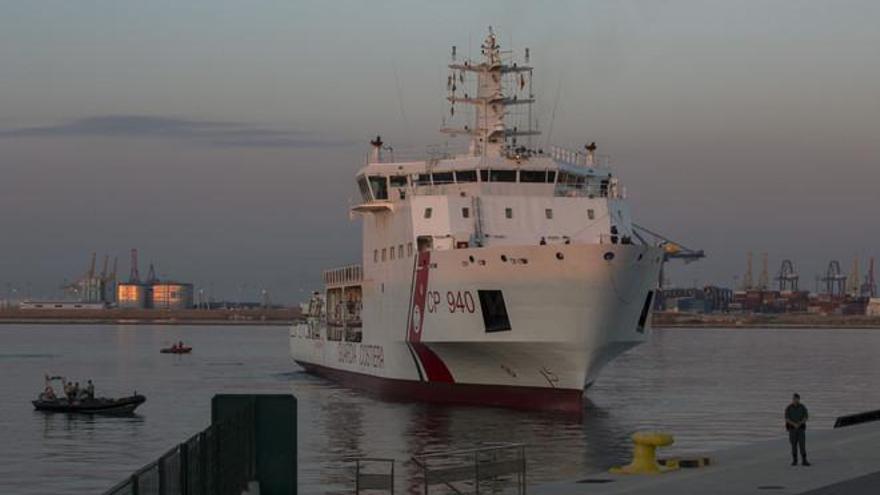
(364, 355)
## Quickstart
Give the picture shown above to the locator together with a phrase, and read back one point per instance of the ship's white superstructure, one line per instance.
(507, 275)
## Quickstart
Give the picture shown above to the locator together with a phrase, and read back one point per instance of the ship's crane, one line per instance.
(671, 249)
(134, 277)
(91, 272)
(764, 280)
(834, 279)
(787, 278)
(104, 269)
(869, 288)
(748, 283)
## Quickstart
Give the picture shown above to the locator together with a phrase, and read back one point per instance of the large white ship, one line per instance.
(507, 275)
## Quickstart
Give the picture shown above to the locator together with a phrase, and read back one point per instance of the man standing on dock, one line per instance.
(796, 423)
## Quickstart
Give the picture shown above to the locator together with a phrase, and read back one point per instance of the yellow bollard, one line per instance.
(644, 454)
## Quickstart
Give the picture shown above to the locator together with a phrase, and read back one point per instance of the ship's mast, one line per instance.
(489, 134)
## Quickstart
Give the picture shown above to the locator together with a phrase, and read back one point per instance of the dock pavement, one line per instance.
(844, 461)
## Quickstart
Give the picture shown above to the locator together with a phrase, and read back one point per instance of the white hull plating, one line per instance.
(568, 318)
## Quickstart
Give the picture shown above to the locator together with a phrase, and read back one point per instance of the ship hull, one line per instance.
(514, 397)
(569, 311)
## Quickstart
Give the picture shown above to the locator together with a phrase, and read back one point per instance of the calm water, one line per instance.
(712, 388)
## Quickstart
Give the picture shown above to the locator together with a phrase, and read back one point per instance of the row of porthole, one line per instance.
(608, 256)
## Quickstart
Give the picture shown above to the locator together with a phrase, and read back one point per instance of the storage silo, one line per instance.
(171, 295)
(131, 295)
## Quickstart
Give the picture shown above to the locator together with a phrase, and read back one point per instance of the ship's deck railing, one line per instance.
(350, 274)
(577, 157)
(432, 152)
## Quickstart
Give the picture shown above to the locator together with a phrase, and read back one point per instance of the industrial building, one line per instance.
(93, 287)
(836, 293)
(152, 293)
(171, 295)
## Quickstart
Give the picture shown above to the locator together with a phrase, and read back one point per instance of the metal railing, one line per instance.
(366, 478)
(417, 154)
(577, 157)
(220, 460)
(349, 274)
(491, 469)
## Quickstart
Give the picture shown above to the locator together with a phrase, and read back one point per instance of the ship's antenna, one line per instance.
(400, 98)
(531, 97)
(553, 113)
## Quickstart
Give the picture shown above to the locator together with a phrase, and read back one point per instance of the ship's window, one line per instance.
(423, 180)
(494, 310)
(397, 180)
(400, 251)
(532, 176)
(443, 178)
(502, 176)
(409, 249)
(375, 255)
(465, 212)
(365, 189)
(428, 212)
(548, 213)
(379, 185)
(484, 175)
(384, 253)
(392, 252)
(551, 176)
(466, 176)
(591, 214)
(508, 212)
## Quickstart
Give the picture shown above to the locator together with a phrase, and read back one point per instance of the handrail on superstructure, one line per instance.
(349, 274)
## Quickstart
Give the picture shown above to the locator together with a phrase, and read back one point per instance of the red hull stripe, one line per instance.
(417, 313)
(529, 398)
(435, 368)
(430, 362)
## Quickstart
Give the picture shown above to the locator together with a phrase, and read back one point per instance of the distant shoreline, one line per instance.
(286, 316)
(128, 316)
(783, 320)
(83, 321)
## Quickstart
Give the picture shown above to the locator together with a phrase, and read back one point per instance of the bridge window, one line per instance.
(379, 185)
(508, 212)
(423, 180)
(465, 212)
(428, 212)
(533, 176)
(551, 176)
(548, 213)
(443, 178)
(466, 176)
(398, 180)
(484, 176)
(364, 188)
(502, 176)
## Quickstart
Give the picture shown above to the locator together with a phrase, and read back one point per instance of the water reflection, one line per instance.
(356, 425)
(685, 381)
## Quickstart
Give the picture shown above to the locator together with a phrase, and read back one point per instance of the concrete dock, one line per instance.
(844, 461)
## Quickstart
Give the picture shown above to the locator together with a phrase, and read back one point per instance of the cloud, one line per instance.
(213, 133)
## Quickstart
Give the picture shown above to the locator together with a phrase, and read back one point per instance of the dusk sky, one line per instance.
(220, 137)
